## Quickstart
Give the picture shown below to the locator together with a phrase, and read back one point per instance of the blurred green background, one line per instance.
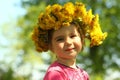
(20, 61)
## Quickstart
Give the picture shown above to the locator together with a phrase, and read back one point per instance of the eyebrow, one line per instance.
(58, 37)
(75, 32)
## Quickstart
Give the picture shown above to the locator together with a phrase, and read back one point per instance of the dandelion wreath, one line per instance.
(56, 16)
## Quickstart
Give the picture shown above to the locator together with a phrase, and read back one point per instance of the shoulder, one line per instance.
(53, 75)
(55, 71)
(56, 67)
(84, 74)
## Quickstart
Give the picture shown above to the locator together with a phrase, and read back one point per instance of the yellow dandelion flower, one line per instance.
(88, 17)
(66, 24)
(48, 9)
(80, 10)
(96, 34)
(57, 25)
(56, 8)
(68, 8)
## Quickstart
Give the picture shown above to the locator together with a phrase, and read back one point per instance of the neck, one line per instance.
(68, 62)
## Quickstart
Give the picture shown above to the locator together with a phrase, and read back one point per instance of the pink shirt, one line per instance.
(58, 71)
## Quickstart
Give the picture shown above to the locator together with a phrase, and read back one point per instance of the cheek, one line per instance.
(78, 44)
(57, 47)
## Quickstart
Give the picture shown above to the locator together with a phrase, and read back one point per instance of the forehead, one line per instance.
(66, 30)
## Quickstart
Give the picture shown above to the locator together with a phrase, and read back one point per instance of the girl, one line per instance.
(62, 29)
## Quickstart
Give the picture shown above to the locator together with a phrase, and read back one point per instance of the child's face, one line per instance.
(66, 42)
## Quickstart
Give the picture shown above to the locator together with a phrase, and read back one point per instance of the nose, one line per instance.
(68, 41)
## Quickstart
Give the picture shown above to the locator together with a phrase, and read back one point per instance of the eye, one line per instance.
(60, 39)
(74, 35)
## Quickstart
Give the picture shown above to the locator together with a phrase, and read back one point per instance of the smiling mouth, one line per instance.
(69, 49)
